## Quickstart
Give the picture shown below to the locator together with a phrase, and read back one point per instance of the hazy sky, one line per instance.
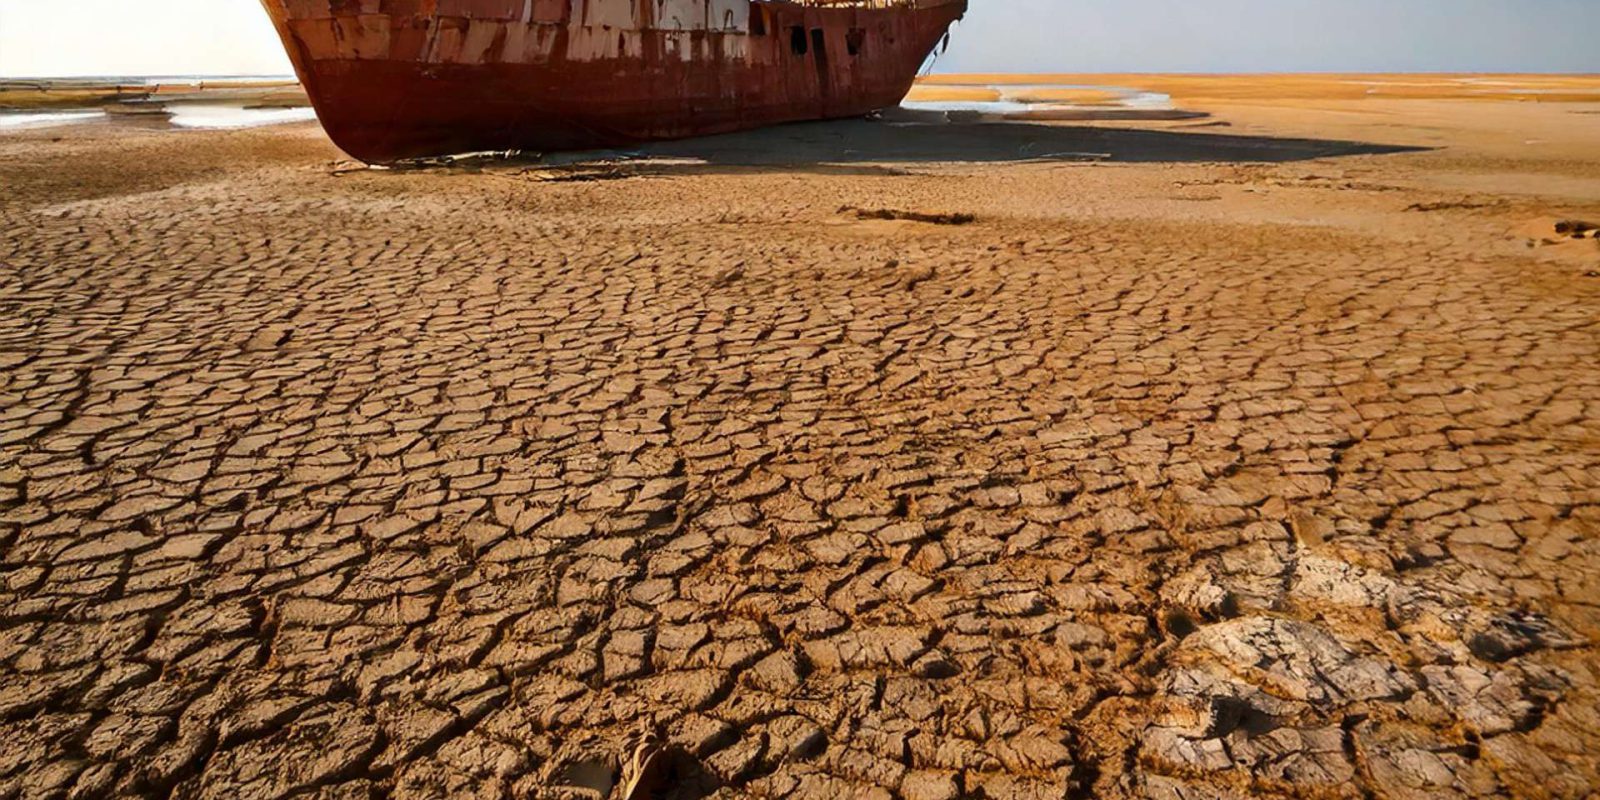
(132, 37)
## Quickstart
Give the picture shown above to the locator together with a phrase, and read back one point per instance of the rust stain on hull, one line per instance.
(397, 79)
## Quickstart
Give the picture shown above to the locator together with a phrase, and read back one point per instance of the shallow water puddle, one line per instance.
(186, 116)
(21, 120)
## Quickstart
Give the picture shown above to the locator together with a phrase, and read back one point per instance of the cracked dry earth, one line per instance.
(1159, 481)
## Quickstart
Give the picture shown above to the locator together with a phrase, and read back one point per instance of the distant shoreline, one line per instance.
(108, 80)
(115, 79)
(1071, 97)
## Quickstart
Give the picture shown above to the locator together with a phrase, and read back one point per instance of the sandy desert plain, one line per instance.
(1247, 455)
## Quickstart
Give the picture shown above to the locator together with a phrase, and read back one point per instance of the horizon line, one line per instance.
(1196, 73)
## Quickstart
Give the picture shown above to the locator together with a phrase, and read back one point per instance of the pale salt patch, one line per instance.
(223, 117)
(1010, 104)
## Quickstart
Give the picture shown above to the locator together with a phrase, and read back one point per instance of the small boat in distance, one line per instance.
(399, 79)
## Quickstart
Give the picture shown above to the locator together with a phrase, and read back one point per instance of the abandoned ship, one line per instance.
(400, 79)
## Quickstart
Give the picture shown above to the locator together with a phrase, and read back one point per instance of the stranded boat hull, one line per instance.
(399, 79)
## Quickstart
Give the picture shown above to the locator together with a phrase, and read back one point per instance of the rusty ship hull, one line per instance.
(400, 79)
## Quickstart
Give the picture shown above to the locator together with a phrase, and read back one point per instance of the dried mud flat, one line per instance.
(1184, 478)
